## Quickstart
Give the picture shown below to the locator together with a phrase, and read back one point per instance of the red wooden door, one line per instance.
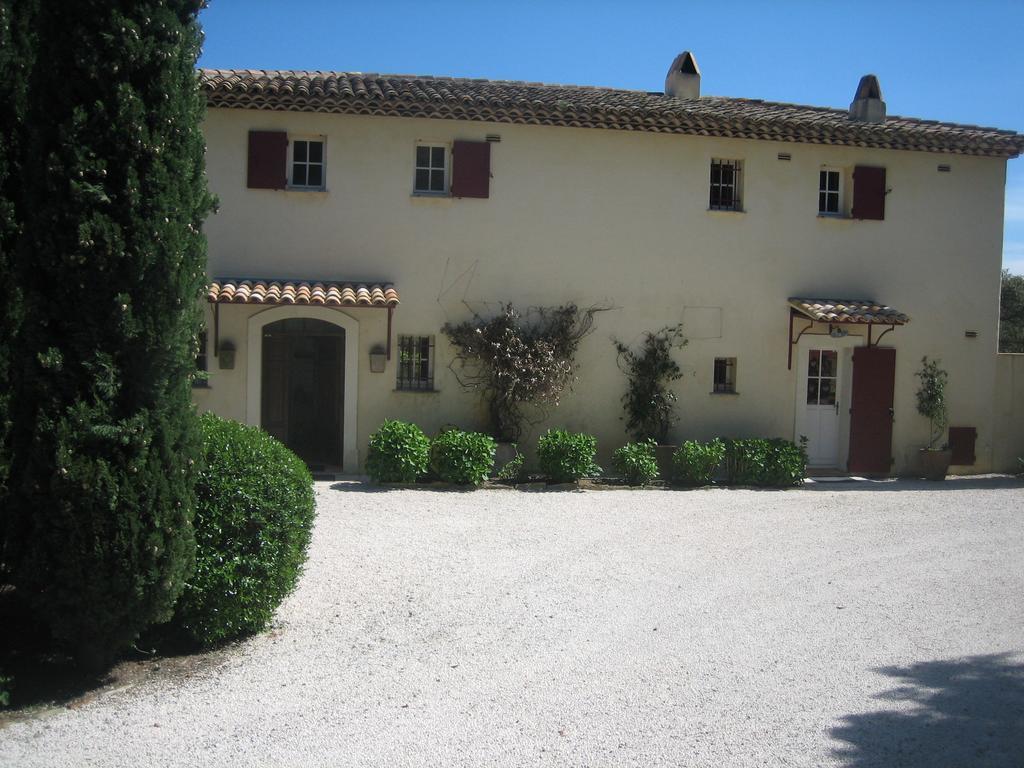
(871, 414)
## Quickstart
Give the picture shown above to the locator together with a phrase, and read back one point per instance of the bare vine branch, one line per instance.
(519, 362)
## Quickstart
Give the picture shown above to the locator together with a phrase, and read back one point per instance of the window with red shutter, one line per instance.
(868, 192)
(471, 169)
(268, 160)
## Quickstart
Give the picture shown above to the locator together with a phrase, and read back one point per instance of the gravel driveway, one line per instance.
(857, 624)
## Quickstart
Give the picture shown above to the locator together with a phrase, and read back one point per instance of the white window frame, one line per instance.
(838, 192)
(736, 185)
(432, 145)
(323, 163)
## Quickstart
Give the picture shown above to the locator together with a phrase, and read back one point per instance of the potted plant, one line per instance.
(931, 403)
(649, 402)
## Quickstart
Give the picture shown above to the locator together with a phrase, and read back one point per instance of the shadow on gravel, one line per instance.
(965, 712)
(952, 484)
(965, 483)
(44, 674)
(363, 486)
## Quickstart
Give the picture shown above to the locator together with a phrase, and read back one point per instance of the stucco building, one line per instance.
(813, 255)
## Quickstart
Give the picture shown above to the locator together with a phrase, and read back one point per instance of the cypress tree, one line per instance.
(111, 263)
(16, 57)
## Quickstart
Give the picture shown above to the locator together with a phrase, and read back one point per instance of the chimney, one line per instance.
(683, 78)
(867, 106)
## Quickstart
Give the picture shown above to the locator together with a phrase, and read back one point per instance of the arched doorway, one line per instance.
(303, 378)
(347, 329)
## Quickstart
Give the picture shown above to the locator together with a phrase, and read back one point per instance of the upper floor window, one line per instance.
(431, 169)
(725, 185)
(306, 164)
(415, 363)
(829, 192)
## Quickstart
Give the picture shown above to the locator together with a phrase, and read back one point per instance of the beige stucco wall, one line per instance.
(1009, 413)
(621, 219)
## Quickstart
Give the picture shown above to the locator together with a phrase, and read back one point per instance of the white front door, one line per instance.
(820, 422)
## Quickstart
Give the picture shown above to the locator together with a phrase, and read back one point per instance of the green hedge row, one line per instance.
(770, 463)
(401, 452)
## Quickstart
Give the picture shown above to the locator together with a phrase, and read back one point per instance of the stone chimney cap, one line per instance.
(868, 88)
(867, 105)
(683, 78)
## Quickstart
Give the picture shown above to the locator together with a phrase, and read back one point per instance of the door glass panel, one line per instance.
(814, 359)
(828, 363)
(828, 392)
(812, 391)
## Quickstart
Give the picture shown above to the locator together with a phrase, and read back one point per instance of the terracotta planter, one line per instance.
(934, 463)
(663, 454)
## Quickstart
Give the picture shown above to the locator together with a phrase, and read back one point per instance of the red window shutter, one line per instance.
(471, 169)
(268, 160)
(868, 192)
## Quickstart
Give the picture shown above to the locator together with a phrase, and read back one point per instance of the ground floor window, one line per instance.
(415, 363)
(725, 374)
(201, 378)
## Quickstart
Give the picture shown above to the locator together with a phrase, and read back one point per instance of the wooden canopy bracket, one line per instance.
(391, 311)
(793, 342)
(890, 329)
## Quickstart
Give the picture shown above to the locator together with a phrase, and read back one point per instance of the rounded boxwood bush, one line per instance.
(567, 456)
(694, 463)
(636, 462)
(464, 458)
(254, 517)
(399, 453)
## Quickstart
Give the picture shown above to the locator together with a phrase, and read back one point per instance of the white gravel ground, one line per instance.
(855, 625)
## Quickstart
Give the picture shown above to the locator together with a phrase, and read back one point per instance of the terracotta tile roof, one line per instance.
(232, 291)
(502, 101)
(848, 311)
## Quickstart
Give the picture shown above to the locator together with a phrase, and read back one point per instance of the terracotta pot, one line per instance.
(934, 463)
(663, 454)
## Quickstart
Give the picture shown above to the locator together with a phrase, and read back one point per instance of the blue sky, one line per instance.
(940, 60)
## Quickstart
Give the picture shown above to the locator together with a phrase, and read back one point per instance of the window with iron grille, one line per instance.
(725, 374)
(725, 185)
(416, 362)
(202, 364)
(307, 164)
(431, 169)
(829, 188)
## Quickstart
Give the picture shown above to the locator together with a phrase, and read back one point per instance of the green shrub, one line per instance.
(636, 462)
(399, 453)
(252, 526)
(465, 458)
(772, 463)
(567, 456)
(6, 685)
(694, 463)
(512, 472)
